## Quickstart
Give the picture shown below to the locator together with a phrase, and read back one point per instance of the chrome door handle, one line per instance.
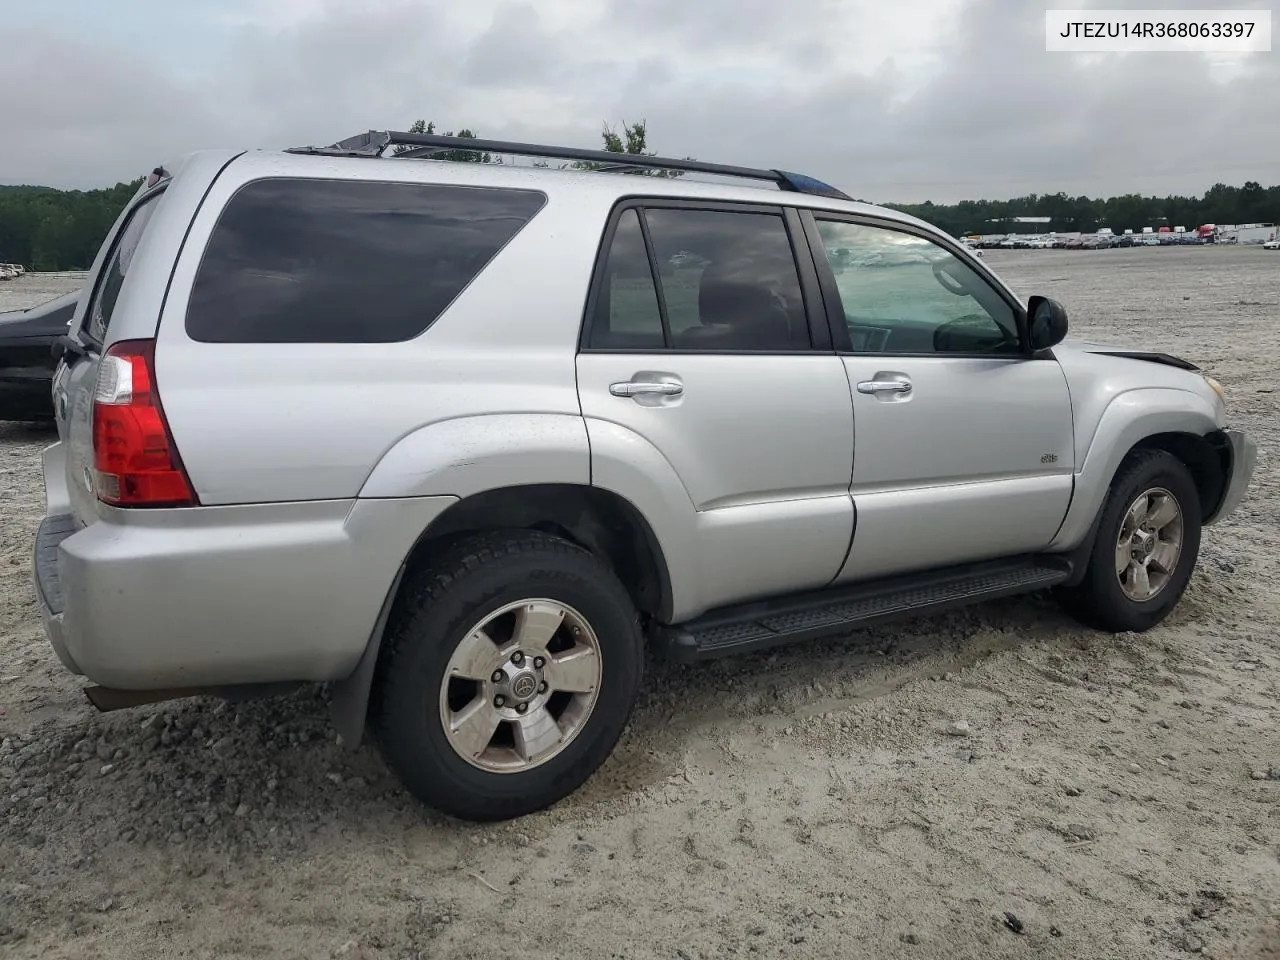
(884, 386)
(634, 388)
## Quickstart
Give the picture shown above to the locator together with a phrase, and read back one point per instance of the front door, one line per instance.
(963, 442)
(699, 376)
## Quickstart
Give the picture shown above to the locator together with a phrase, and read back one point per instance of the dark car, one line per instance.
(26, 357)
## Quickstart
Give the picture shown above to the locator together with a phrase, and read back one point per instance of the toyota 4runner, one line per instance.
(464, 438)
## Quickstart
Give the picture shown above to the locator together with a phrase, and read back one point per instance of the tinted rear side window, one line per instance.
(343, 261)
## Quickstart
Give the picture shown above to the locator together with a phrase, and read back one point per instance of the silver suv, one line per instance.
(464, 439)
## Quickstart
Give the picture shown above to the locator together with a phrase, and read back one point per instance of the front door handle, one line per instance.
(897, 385)
(639, 388)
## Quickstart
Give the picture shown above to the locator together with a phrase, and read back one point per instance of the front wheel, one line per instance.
(1147, 544)
(512, 666)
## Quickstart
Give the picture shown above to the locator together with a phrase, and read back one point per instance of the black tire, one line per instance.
(437, 606)
(1098, 601)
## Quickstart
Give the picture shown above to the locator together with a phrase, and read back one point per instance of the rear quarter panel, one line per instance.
(472, 454)
(259, 423)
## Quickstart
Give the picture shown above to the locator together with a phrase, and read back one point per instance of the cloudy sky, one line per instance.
(892, 100)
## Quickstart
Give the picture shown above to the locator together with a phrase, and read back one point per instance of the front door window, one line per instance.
(905, 294)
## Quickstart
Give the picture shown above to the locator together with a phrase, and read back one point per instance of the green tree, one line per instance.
(48, 229)
(457, 156)
(418, 126)
(1221, 204)
(634, 142)
(1253, 202)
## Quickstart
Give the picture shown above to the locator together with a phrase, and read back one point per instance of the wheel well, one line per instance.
(596, 520)
(1207, 459)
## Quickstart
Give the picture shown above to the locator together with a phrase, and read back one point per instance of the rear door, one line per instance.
(77, 374)
(706, 343)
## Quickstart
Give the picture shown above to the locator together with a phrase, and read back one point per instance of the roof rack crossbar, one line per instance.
(375, 142)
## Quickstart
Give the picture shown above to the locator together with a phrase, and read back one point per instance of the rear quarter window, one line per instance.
(346, 261)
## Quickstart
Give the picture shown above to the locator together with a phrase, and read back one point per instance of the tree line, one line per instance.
(48, 229)
(1251, 203)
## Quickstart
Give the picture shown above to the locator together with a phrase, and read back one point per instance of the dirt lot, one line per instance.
(1118, 796)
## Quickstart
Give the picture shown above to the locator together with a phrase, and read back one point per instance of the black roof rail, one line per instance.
(375, 142)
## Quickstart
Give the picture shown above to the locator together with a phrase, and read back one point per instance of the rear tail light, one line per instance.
(134, 458)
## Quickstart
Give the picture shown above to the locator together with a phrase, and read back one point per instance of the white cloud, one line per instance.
(919, 98)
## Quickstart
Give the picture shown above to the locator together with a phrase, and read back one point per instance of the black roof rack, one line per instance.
(375, 142)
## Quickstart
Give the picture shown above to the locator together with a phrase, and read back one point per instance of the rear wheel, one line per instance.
(512, 666)
(1146, 548)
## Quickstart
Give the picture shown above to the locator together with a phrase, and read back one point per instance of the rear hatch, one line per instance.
(76, 377)
(120, 308)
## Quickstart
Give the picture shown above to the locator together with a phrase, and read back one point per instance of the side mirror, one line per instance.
(1047, 322)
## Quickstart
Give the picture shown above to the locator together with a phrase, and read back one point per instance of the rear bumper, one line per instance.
(52, 531)
(222, 595)
(1244, 455)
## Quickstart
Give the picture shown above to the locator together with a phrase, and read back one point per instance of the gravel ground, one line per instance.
(993, 783)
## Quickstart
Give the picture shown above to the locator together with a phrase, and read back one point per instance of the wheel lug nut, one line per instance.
(499, 701)
(497, 676)
(521, 707)
(517, 658)
(539, 663)
(542, 687)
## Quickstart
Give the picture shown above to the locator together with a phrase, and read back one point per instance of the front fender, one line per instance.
(1126, 421)
(470, 455)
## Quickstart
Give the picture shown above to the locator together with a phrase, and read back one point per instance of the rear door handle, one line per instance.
(639, 388)
(897, 385)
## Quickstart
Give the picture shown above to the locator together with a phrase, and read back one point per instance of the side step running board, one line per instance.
(768, 623)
